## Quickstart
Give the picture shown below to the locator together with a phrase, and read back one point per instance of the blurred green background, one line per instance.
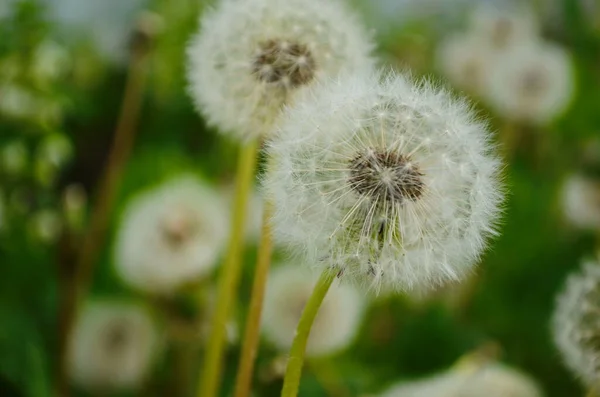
(63, 68)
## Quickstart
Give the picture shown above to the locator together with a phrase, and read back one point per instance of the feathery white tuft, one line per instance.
(581, 202)
(465, 59)
(171, 235)
(492, 380)
(576, 323)
(502, 28)
(113, 346)
(251, 57)
(336, 324)
(532, 82)
(391, 181)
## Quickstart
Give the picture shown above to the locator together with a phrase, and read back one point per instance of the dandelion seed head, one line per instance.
(580, 199)
(251, 57)
(576, 323)
(492, 380)
(466, 60)
(392, 181)
(113, 346)
(502, 28)
(170, 235)
(532, 82)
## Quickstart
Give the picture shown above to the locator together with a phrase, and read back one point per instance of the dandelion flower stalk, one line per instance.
(252, 331)
(229, 278)
(293, 372)
(122, 145)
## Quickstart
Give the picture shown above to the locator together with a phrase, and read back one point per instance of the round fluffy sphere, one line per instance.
(465, 60)
(171, 235)
(491, 380)
(390, 181)
(581, 202)
(113, 346)
(336, 324)
(532, 82)
(504, 27)
(251, 57)
(576, 323)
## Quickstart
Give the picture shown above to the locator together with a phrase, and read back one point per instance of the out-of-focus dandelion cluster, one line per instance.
(410, 219)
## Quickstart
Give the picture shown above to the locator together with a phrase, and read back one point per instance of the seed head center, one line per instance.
(284, 63)
(386, 176)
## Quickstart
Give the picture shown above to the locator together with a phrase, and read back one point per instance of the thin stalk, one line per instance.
(252, 331)
(76, 288)
(293, 372)
(230, 274)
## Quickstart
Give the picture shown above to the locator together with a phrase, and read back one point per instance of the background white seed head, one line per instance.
(336, 324)
(466, 60)
(576, 323)
(503, 27)
(491, 380)
(532, 82)
(113, 346)
(392, 181)
(171, 235)
(250, 57)
(580, 199)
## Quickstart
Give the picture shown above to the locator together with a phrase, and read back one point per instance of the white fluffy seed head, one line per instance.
(391, 181)
(531, 82)
(580, 201)
(576, 323)
(492, 380)
(251, 57)
(336, 324)
(171, 235)
(465, 59)
(502, 28)
(113, 346)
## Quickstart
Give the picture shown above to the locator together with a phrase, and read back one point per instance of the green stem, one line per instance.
(252, 332)
(293, 372)
(230, 274)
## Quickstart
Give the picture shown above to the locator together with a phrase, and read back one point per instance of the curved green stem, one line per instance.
(230, 274)
(293, 372)
(252, 332)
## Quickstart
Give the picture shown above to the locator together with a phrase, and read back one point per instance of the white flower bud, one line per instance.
(392, 182)
(251, 57)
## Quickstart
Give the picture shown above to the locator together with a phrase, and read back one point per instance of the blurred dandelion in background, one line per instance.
(114, 346)
(290, 286)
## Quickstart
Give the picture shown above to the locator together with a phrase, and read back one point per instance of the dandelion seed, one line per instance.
(392, 182)
(113, 346)
(492, 380)
(170, 236)
(336, 324)
(576, 323)
(251, 57)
